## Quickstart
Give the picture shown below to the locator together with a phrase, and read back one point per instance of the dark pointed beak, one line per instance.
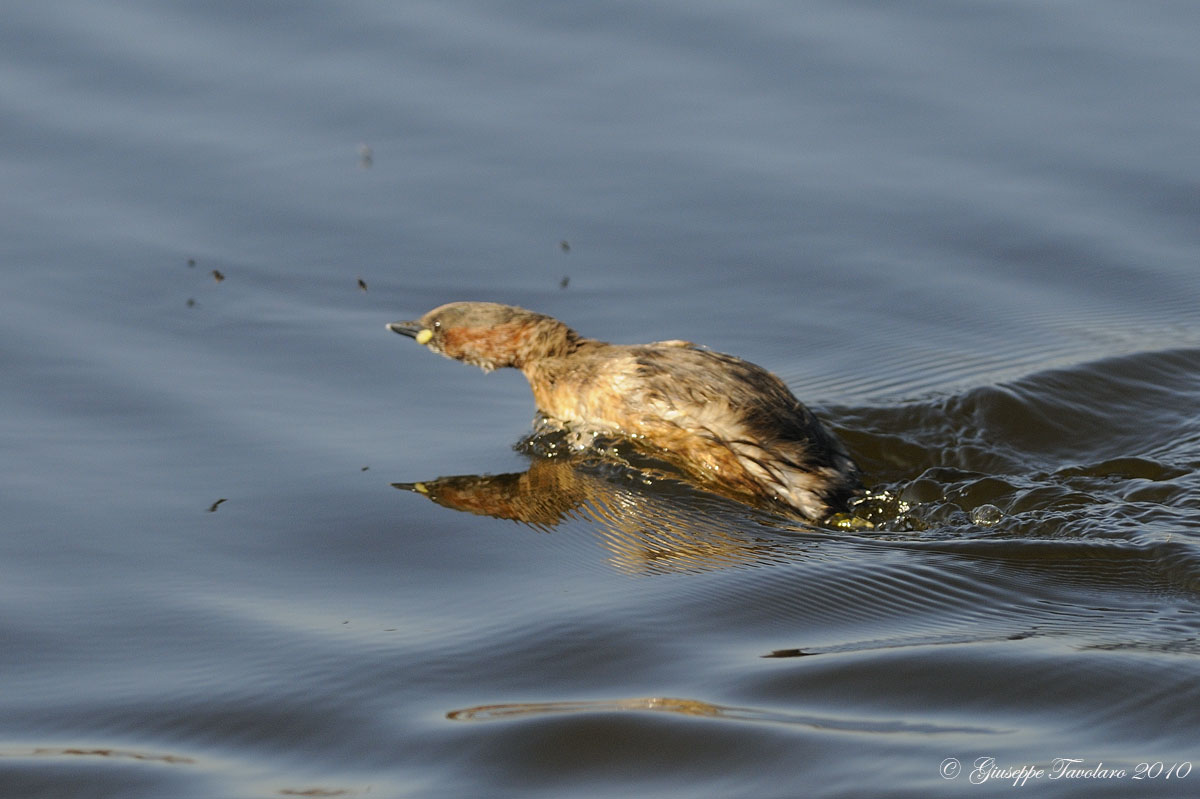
(409, 329)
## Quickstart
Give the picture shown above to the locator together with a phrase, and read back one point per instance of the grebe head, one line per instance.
(489, 335)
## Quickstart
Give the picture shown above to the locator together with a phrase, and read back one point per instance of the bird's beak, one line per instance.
(410, 329)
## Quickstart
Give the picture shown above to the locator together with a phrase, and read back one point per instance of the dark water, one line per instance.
(965, 233)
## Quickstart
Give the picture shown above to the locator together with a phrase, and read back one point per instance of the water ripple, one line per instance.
(694, 707)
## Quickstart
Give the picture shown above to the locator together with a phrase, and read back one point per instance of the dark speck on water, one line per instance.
(788, 653)
(963, 234)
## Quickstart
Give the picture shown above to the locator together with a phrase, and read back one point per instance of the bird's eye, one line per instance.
(437, 325)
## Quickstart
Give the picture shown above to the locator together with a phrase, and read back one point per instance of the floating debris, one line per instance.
(562, 284)
(365, 468)
(217, 276)
(565, 245)
(191, 303)
(366, 157)
(213, 507)
(191, 262)
(362, 284)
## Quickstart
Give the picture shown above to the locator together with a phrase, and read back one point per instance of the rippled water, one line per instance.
(255, 545)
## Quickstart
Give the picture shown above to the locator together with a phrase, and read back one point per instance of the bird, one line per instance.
(730, 425)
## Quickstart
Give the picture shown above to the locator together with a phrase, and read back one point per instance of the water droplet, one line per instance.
(986, 515)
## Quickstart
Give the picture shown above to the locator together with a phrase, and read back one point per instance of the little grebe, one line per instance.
(722, 420)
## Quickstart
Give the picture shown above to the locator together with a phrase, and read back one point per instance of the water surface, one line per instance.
(965, 234)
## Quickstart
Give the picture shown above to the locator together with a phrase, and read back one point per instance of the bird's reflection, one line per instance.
(649, 518)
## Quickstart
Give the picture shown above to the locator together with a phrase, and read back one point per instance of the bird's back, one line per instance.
(724, 420)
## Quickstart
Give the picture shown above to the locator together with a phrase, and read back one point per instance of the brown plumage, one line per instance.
(731, 425)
